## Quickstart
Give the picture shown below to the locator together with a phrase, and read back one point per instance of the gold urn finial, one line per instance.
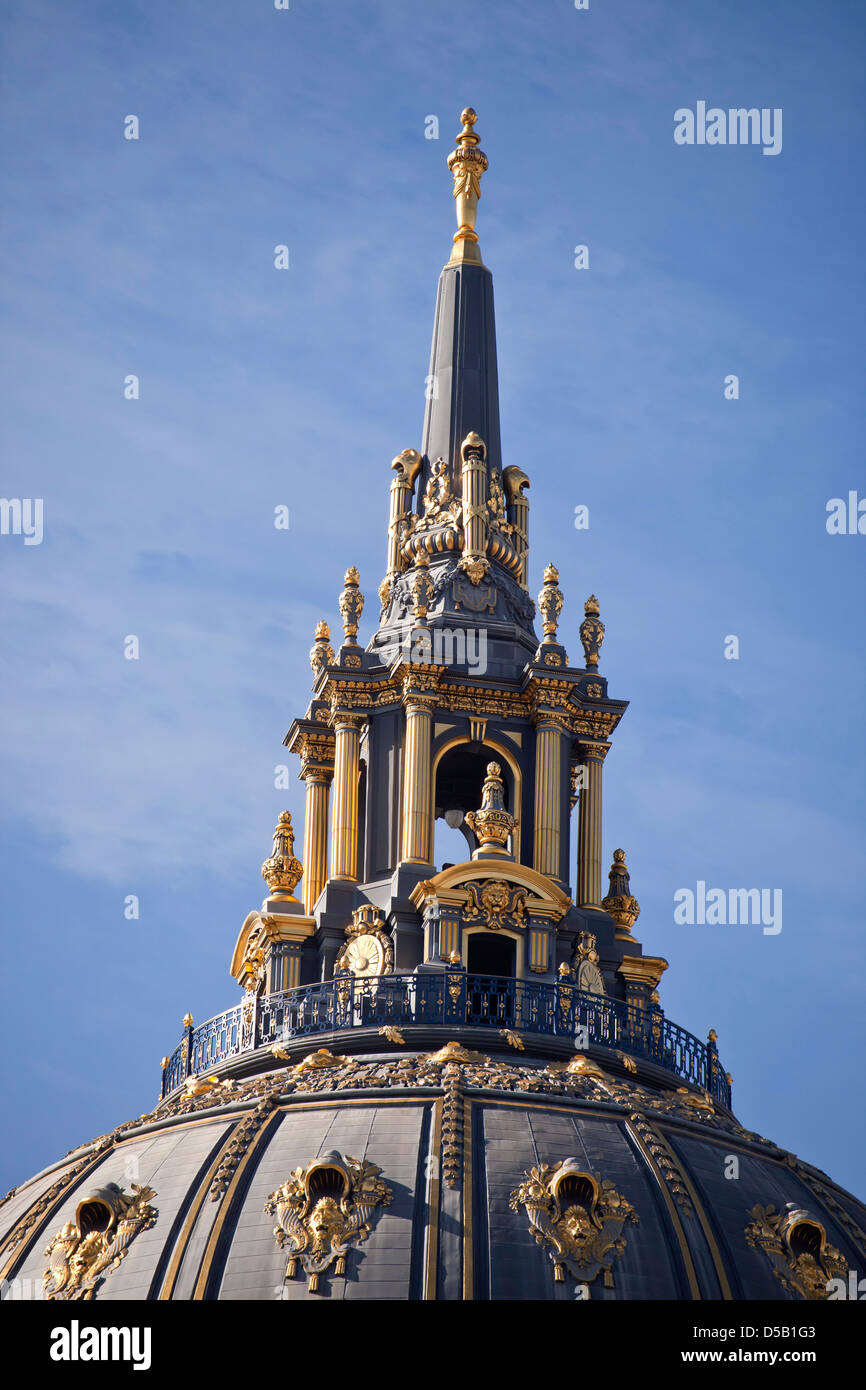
(591, 633)
(550, 603)
(351, 605)
(321, 652)
(282, 872)
(623, 908)
(467, 163)
(492, 823)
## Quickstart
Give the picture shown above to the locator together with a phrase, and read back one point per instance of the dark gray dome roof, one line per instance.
(433, 1149)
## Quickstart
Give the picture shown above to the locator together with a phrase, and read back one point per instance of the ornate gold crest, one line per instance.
(796, 1245)
(88, 1248)
(578, 1216)
(495, 904)
(323, 1210)
(369, 950)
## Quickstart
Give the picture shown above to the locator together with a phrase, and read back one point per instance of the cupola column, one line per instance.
(592, 757)
(344, 806)
(317, 778)
(416, 844)
(548, 794)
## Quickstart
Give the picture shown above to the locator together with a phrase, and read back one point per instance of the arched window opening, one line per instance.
(459, 781)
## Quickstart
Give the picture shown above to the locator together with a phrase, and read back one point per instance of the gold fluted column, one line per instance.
(589, 859)
(473, 452)
(344, 803)
(317, 770)
(548, 795)
(416, 833)
(406, 467)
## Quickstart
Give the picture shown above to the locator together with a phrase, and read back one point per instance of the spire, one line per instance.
(452, 502)
(462, 386)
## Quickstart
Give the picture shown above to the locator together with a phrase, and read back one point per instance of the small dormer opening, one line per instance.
(491, 953)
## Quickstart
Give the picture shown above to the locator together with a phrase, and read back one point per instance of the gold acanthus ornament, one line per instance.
(351, 605)
(796, 1244)
(591, 633)
(321, 652)
(91, 1246)
(282, 872)
(324, 1210)
(577, 1216)
(550, 603)
(492, 823)
(467, 163)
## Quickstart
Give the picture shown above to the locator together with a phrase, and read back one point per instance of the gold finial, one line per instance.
(282, 872)
(623, 907)
(492, 824)
(421, 587)
(467, 163)
(351, 605)
(321, 652)
(591, 633)
(550, 603)
(187, 1020)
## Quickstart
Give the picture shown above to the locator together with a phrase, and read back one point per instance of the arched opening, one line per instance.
(806, 1238)
(459, 779)
(491, 953)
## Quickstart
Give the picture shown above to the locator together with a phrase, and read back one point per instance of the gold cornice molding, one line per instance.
(282, 926)
(643, 970)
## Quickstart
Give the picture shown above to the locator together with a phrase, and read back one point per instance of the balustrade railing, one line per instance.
(448, 998)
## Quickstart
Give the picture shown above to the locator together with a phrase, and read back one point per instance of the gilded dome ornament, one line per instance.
(492, 823)
(623, 908)
(795, 1243)
(324, 1210)
(467, 164)
(550, 603)
(87, 1249)
(351, 605)
(577, 1216)
(421, 587)
(321, 652)
(282, 872)
(591, 633)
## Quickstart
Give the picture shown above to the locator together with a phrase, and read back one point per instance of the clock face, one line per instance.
(589, 978)
(364, 955)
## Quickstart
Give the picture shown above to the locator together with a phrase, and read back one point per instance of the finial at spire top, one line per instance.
(467, 163)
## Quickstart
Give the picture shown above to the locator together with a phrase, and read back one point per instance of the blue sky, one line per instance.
(259, 387)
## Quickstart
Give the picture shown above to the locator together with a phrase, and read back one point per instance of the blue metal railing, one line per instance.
(448, 999)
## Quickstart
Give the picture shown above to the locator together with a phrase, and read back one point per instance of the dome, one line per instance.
(443, 1081)
(450, 1173)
